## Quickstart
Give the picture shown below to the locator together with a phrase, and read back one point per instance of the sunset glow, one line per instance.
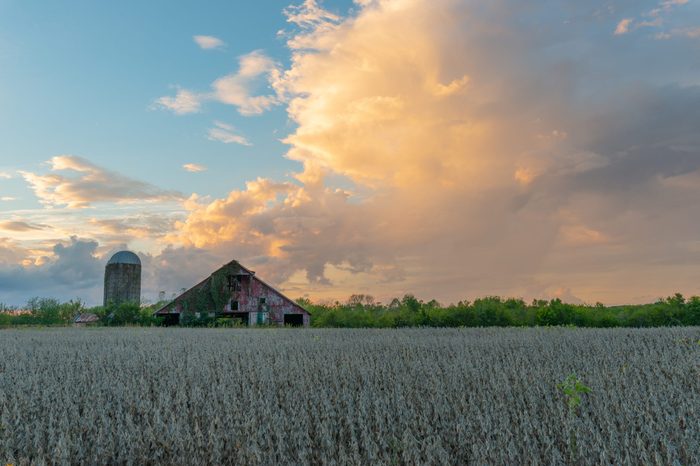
(451, 149)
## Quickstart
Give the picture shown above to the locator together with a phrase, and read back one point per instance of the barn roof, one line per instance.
(85, 318)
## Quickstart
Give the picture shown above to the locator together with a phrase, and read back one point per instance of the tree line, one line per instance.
(494, 311)
(363, 311)
(52, 312)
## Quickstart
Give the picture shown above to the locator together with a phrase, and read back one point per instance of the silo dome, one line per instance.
(123, 279)
(124, 257)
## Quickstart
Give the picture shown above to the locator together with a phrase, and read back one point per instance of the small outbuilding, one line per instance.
(235, 292)
(82, 320)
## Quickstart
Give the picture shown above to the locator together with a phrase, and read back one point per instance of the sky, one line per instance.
(450, 149)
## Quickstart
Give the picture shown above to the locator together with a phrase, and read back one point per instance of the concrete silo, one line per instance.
(123, 279)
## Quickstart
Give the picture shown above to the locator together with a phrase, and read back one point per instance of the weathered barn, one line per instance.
(235, 292)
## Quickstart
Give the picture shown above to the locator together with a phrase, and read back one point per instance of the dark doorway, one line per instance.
(295, 320)
(242, 317)
(171, 319)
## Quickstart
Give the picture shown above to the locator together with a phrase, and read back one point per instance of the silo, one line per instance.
(123, 279)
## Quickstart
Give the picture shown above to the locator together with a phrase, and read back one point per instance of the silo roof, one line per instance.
(125, 257)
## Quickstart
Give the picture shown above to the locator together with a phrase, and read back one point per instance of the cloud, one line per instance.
(237, 89)
(5, 175)
(208, 42)
(89, 184)
(225, 133)
(278, 227)
(128, 228)
(7, 198)
(11, 254)
(21, 226)
(623, 27)
(183, 103)
(194, 167)
(692, 33)
(581, 235)
(72, 268)
(472, 165)
(655, 18)
(667, 4)
(565, 295)
(689, 33)
(175, 268)
(310, 15)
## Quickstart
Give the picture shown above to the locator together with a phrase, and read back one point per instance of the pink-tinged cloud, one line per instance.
(194, 167)
(19, 226)
(208, 42)
(88, 184)
(623, 27)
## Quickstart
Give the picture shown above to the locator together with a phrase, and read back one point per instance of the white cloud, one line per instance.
(209, 42)
(238, 89)
(226, 134)
(7, 198)
(183, 103)
(194, 167)
(5, 175)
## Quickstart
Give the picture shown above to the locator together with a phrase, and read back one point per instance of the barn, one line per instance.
(235, 292)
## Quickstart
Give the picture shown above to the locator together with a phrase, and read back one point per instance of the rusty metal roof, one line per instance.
(85, 318)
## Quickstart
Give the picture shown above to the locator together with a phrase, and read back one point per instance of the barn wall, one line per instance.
(275, 304)
(248, 297)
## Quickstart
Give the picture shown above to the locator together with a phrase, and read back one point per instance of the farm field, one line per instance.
(331, 396)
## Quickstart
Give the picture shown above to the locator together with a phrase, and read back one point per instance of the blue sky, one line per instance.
(451, 149)
(81, 78)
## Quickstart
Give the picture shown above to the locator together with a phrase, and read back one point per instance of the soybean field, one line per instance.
(366, 396)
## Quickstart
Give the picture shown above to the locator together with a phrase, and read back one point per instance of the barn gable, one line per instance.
(234, 291)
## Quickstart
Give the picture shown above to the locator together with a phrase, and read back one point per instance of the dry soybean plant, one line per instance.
(290, 396)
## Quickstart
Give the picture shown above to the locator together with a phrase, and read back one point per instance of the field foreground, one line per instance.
(285, 396)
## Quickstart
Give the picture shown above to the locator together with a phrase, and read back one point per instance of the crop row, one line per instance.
(321, 396)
